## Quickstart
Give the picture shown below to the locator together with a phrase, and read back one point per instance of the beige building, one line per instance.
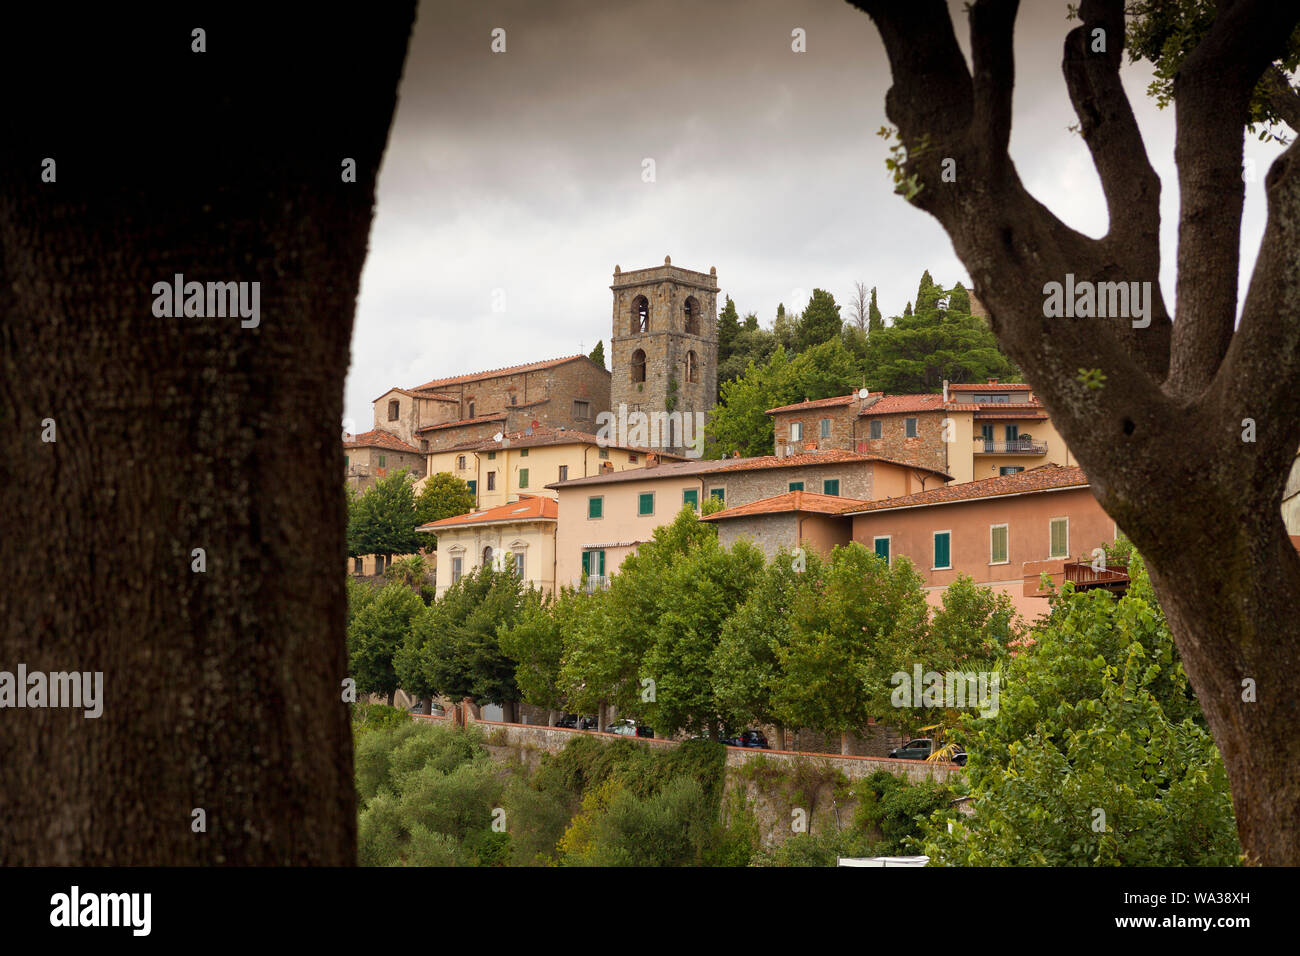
(526, 462)
(974, 432)
(519, 536)
(604, 518)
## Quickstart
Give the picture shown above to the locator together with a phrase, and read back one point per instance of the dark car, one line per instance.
(921, 748)
(629, 728)
(574, 722)
(748, 738)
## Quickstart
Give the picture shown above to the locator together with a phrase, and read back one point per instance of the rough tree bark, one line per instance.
(222, 688)
(1162, 439)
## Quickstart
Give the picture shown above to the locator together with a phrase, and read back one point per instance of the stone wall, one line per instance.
(843, 419)
(744, 487)
(363, 468)
(926, 449)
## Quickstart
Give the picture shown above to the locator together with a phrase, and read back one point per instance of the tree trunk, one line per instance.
(780, 737)
(845, 747)
(222, 686)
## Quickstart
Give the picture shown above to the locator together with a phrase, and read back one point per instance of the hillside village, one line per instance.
(974, 480)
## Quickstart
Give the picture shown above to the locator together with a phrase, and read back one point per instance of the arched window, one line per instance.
(394, 410)
(638, 365)
(640, 315)
(692, 309)
(692, 367)
(487, 556)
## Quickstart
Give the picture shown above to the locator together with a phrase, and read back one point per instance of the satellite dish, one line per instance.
(497, 437)
(863, 393)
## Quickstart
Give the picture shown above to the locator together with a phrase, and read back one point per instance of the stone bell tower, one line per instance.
(665, 345)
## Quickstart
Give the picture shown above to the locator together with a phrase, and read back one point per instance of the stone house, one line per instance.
(375, 454)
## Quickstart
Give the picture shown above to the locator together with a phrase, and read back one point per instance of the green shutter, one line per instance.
(595, 506)
(796, 486)
(882, 548)
(719, 493)
(831, 486)
(942, 553)
(523, 477)
(645, 503)
(473, 487)
(1013, 432)
(523, 453)
(601, 556)
(691, 497)
(586, 562)
(1060, 537)
(998, 545)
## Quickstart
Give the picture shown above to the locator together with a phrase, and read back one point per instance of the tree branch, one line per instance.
(1212, 99)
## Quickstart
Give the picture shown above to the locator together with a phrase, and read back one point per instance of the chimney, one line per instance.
(993, 381)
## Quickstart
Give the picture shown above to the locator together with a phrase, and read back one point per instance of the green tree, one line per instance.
(386, 518)
(410, 572)
(875, 321)
(728, 329)
(535, 642)
(860, 623)
(376, 633)
(598, 353)
(443, 496)
(820, 322)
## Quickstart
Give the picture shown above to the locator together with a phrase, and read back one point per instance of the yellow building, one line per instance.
(519, 536)
(524, 463)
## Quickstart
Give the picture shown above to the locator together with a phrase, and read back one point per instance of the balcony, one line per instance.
(1085, 577)
(1017, 446)
(593, 582)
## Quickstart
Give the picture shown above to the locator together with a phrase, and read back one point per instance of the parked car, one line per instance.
(921, 748)
(627, 727)
(574, 722)
(748, 738)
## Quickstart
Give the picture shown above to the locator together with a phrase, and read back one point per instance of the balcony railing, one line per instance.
(1083, 575)
(1017, 446)
(593, 582)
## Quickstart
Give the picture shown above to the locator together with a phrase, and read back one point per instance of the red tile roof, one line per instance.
(527, 508)
(498, 372)
(544, 436)
(499, 417)
(898, 404)
(990, 387)
(833, 456)
(819, 403)
(378, 438)
(805, 501)
(1043, 478)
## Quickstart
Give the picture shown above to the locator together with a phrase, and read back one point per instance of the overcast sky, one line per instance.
(522, 172)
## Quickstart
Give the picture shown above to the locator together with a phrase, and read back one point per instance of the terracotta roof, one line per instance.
(499, 417)
(431, 396)
(898, 404)
(543, 436)
(828, 457)
(806, 501)
(989, 387)
(819, 403)
(527, 508)
(1043, 478)
(497, 372)
(669, 469)
(377, 438)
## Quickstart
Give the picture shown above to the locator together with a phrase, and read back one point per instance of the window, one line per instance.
(514, 399)
(492, 456)
(582, 410)
(603, 453)
(382, 460)
(1013, 432)
(473, 488)
(424, 444)
(826, 428)
(796, 486)
(881, 546)
(394, 410)
(523, 477)
(523, 453)
(470, 410)
(345, 461)
(692, 310)
(492, 481)
(691, 496)
(831, 486)
(719, 493)
(1060, 538)
(457, 568)
(986, 399)
(596, 507)
(640, 316)
(645, 503)
(631, 459)
(796, 431)
(638, 365)
(876, 428)
(998, 544)
(487, 556)
(519, 564)
(942, 550)
(911, 427)
(692, 367)
(987, 432)
(564, 473)
(460, 463)
(593, 563)
(1010, 469)
(358, 566)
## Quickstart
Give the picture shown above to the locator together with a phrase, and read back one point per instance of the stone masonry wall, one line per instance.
(926, 449)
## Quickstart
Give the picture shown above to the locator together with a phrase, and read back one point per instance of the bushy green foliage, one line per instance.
(383, 520)
(367, 717)
(376, 633)
(898, 809)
